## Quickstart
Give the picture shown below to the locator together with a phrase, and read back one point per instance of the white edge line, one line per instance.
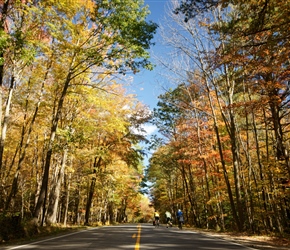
(33, 243)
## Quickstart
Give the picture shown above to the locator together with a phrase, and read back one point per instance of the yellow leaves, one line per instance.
(104, 74)
(90, 5)
(70, 7)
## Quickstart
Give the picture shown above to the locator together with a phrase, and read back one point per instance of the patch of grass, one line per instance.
(29, 231)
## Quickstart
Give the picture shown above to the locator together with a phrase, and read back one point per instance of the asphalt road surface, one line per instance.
(131, 237)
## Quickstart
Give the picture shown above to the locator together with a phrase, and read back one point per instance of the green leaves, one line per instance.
(127, 32)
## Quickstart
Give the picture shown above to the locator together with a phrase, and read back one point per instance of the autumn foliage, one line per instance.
(224, 159)
(69, 149)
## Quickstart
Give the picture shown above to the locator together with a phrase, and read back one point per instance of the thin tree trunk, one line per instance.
(261, 174)
(23, 149)
(43, 190)
(190, 193)
(77, 205)
(96, 166)
(6, 120)
(55, 193)
(3, 17)
(207, 75)
(231, 198)
(66, 201)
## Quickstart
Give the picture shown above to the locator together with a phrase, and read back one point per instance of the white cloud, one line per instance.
(149, 128)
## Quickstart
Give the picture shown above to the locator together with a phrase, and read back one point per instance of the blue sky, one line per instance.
(146, 83)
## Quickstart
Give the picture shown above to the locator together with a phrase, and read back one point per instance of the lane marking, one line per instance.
(137, 245)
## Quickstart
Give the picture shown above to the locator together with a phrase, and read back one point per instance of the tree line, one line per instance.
(223, 153)
(69, 130)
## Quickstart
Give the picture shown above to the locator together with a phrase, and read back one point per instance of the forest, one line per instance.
(71, 134)
(223, 157)
(69, 150)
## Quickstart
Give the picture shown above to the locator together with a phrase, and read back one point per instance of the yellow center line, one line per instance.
(137, 245)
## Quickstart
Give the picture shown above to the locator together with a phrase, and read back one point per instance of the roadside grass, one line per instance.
(30, 232)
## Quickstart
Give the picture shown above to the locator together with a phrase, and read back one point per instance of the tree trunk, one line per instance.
(67, 178)
(3, 17)
(6, 121)
(55, 193)
(77, 205)
(225, 173)
(190, 192)
(97, 165)
(23, 146)
(43, 190)
(207, 75)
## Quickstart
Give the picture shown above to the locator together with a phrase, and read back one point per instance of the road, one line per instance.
(131, 237)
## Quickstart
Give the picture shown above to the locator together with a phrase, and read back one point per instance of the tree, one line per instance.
(233, 56)
(101, 45)
(192, 8)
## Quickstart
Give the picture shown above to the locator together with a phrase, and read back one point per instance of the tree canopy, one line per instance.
(227, 160)
(67, 121)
